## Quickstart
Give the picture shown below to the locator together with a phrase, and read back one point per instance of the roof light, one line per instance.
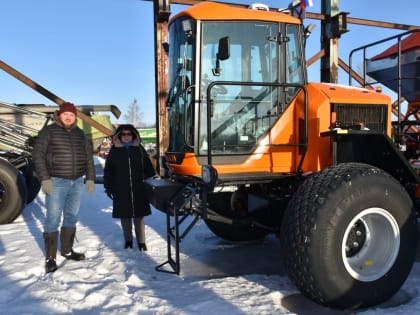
(259, 6)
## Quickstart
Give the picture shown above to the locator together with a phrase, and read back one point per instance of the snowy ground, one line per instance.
(216, 277)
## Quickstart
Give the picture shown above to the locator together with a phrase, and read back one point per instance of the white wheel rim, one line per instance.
(370, 244)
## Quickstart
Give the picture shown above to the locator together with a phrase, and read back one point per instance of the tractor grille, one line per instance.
(373, 117)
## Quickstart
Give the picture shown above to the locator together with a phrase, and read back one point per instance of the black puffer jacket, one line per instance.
(63, 153)
(124, 173)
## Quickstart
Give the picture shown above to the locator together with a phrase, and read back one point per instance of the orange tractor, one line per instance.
(254, 149)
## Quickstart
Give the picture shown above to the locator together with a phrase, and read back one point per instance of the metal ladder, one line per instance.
(177, 212)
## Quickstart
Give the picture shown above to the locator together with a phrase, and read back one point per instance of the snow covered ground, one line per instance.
(216, 277)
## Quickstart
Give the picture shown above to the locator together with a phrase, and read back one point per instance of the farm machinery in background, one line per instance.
(398, 69)
(253, 149)
(19, 125)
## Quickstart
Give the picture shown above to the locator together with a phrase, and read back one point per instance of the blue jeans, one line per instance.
(65, 199)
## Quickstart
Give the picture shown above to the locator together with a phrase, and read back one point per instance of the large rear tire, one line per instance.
(13, 192)
(221, 203)
(349, 236)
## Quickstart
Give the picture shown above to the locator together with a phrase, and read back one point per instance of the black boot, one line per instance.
(50, 240)
(128, 244)
(142, 246)
(67, 239)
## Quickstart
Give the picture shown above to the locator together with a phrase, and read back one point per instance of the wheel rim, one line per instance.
(371, 244)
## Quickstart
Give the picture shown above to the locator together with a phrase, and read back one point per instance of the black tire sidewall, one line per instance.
(15, 195)
(237, 232)
(342, 200)
(371, 194)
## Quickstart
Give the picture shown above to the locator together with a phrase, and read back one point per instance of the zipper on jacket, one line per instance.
(131, 181)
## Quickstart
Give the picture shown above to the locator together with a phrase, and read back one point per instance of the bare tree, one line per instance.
(134, 116)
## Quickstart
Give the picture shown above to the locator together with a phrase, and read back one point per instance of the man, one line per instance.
(62, 155)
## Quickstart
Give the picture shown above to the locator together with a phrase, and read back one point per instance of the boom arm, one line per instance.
(37, 87)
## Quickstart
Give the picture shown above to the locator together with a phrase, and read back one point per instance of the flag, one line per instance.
(298, 8)
(306, 3)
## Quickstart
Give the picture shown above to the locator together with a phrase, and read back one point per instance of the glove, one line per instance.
(109, 194)
(47, 186)
(90, 186)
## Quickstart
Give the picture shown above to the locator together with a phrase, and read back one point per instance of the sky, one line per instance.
(217, 277)
(101, 52)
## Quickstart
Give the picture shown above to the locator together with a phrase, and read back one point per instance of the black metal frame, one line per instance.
(374, 148)
(177, 212)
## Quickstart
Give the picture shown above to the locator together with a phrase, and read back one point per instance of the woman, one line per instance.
(126, 166)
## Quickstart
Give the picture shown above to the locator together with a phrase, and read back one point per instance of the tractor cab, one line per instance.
(232, 73)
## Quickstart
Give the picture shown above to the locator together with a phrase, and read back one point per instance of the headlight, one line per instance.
(209, 175)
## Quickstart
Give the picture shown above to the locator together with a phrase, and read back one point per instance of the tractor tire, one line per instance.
(236, 232)
(349, 236)
(13, 192)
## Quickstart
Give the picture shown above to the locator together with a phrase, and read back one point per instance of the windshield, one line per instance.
(248, 101)
(246, 83)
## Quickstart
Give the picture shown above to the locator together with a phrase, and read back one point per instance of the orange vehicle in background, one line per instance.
(254, 149)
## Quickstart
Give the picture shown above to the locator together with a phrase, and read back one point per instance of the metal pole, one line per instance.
(161, 17)
(329, 62)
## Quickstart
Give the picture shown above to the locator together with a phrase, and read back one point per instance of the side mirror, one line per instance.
(223, 53)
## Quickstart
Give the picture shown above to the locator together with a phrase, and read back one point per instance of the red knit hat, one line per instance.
(67, 107)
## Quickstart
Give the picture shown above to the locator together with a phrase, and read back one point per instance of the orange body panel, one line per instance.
(277, 151)
(189, 165)
(208, 11)
(321, 96)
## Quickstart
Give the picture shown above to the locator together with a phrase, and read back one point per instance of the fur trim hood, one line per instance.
(116, 138)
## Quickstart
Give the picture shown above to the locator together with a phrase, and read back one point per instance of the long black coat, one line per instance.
(124, 173)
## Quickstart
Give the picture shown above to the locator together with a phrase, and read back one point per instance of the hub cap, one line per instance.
(371, 244)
